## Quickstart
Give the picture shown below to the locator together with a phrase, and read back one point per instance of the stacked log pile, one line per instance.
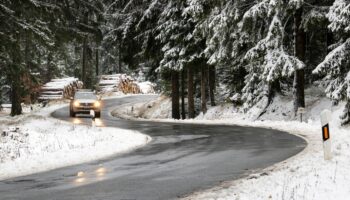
(118, 83)
(127, 86)
(60, 89)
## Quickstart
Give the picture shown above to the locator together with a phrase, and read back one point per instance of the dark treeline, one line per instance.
(256, 48)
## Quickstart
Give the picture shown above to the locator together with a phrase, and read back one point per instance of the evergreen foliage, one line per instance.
(336, 66)
(252, 46)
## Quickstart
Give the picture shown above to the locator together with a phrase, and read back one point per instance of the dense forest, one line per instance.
(255, 48)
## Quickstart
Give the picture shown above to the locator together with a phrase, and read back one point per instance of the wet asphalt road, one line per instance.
(181, 158)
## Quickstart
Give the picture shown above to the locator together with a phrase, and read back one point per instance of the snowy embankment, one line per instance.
(35, 142)
(304, 176)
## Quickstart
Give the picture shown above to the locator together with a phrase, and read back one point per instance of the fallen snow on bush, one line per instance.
(36, 142)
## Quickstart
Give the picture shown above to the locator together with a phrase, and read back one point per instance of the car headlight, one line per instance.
(97, 104)
(76, 103)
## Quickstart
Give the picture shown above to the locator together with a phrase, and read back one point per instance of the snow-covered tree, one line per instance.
(226, 45)
(172, 31)
(269, 60)
(18, 20)
(336, 65)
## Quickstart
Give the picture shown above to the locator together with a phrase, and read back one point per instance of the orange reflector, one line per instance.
(325, 130)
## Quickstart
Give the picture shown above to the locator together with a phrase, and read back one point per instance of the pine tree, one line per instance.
(225, 46)
(336, 66)
(299, 50)
(171, 31)
(204, 76)
(18, 19)
(175, 95)
(193, 52)
(269, 60)
(190, 92)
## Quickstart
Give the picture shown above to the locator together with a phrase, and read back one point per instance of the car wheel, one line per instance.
(97, 114)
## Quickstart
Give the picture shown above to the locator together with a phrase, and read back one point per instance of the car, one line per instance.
(83, 102)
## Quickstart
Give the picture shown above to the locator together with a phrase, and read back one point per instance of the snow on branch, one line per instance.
(149, 12)
(334, 60)
(336, 69)
(295, 4)
(261, 10)
(194, 8)
(277, 62)
(339, 15)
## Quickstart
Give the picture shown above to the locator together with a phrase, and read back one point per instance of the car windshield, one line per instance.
(85, 95)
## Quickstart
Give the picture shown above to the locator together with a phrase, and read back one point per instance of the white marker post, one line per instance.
(325, 119)
(92, 113)
(301, 111)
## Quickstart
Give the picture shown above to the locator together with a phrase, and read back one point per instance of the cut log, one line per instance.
(60, 89)
(118, 83)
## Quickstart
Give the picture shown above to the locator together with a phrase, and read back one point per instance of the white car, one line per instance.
(83, 102)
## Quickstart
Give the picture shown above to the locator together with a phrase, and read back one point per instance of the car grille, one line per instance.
(86, 104)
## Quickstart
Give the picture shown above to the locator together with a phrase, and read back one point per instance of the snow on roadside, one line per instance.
(35, 142)
(146, 87)
(304, 176)
(158, 108)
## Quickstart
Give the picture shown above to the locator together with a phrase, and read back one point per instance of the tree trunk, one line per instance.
(83, 69)
(50, 68)
(183, 111)
(330, 40)
(97, 63)
(175, 95)
(89, 77)
(212, 77)
(27, 54)
(15, 79)
(299, 44)
(190, 91)
(16, 108)
(120, 60)
(345, 117)
(204, 75)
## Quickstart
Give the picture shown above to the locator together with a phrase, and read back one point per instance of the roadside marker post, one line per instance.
(325, 119)
(301, 111)
(92, 113)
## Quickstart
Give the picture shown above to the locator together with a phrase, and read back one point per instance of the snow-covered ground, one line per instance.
(159, 108)
(35, 142)
(304, 176)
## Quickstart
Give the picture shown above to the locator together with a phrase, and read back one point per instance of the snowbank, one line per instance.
(305, 176)
(156, 109)
(35, 142)
(146, 87)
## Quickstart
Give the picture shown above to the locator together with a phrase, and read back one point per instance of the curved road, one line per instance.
(181, 159)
